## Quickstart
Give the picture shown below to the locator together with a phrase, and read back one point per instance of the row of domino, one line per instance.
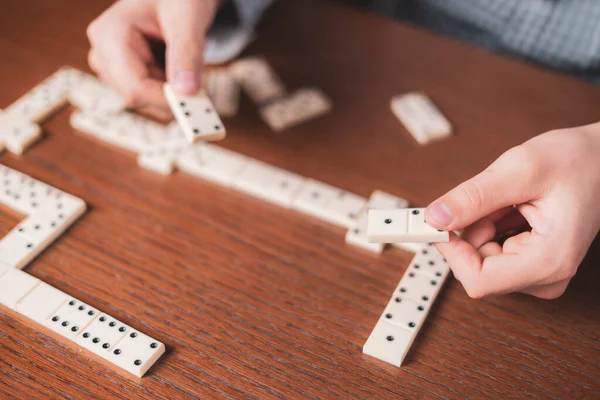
(49, 212)
(78, 323)
(408, 307)
(249, 175)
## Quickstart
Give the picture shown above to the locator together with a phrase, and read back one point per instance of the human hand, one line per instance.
(553, 181)
(121, 56)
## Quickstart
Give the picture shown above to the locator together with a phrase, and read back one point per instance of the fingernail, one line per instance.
(439, 214)
(186, 81)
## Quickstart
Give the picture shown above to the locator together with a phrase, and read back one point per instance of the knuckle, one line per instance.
(527, 158)
(93, 30)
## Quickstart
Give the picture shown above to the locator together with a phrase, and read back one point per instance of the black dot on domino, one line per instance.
(153, 345)
(55, 319)
(420, 308)
(388, 316)
(86, 335)
(75, 329)
(411, 274)
(411, 324)
(117, 352)
(65, 323)
(133, 335)
(433, 282)
(138, 362)
(95, 340)
(425, 298)
(105, 346)
(390, 338)
(415, 212)
(113, 323)
(72, 303)
(182, 104)
(388, 221)
(398, 300)
(187, 114)
(122, 329)
(102, 319)
(81, 308)
(196, 131)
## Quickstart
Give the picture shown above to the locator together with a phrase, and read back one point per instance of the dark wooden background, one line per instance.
(254, 301)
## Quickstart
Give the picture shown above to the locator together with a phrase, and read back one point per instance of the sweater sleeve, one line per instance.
(233, 29)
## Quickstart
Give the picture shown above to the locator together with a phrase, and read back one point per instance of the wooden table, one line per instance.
(254, 301)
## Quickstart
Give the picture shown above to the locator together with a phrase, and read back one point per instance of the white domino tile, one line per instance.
(405, 313)
(224, 92)
(93, 96)
(258, 79)
(389, 343)
(11, 184)
(330, 204)
(41, 303)
(161, 158)
(136, 353)
(213, 163)
(421, 117)
(195, 115)
(17, 251)
(41, 101)
(357, 236)
(14, 286)
(428, 261)
(301, 106)
(419, 287)
(102, 334)
(71, 318)
(100, 127)
(4, 268)
(269, 183)
(36, 197)
(17, 133)
(402, 225)
(357, 233)
(314, 197)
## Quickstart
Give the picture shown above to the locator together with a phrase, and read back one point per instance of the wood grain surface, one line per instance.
(254, 301)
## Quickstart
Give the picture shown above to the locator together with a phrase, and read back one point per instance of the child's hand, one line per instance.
(554, 182)
(121, 56)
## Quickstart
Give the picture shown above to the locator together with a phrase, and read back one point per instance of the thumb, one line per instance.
(511, 179)
(184, 24)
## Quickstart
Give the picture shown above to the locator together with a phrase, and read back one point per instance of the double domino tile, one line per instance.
(408, 307)
(49, 212)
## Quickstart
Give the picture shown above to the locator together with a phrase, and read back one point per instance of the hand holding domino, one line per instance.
(402, 225)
